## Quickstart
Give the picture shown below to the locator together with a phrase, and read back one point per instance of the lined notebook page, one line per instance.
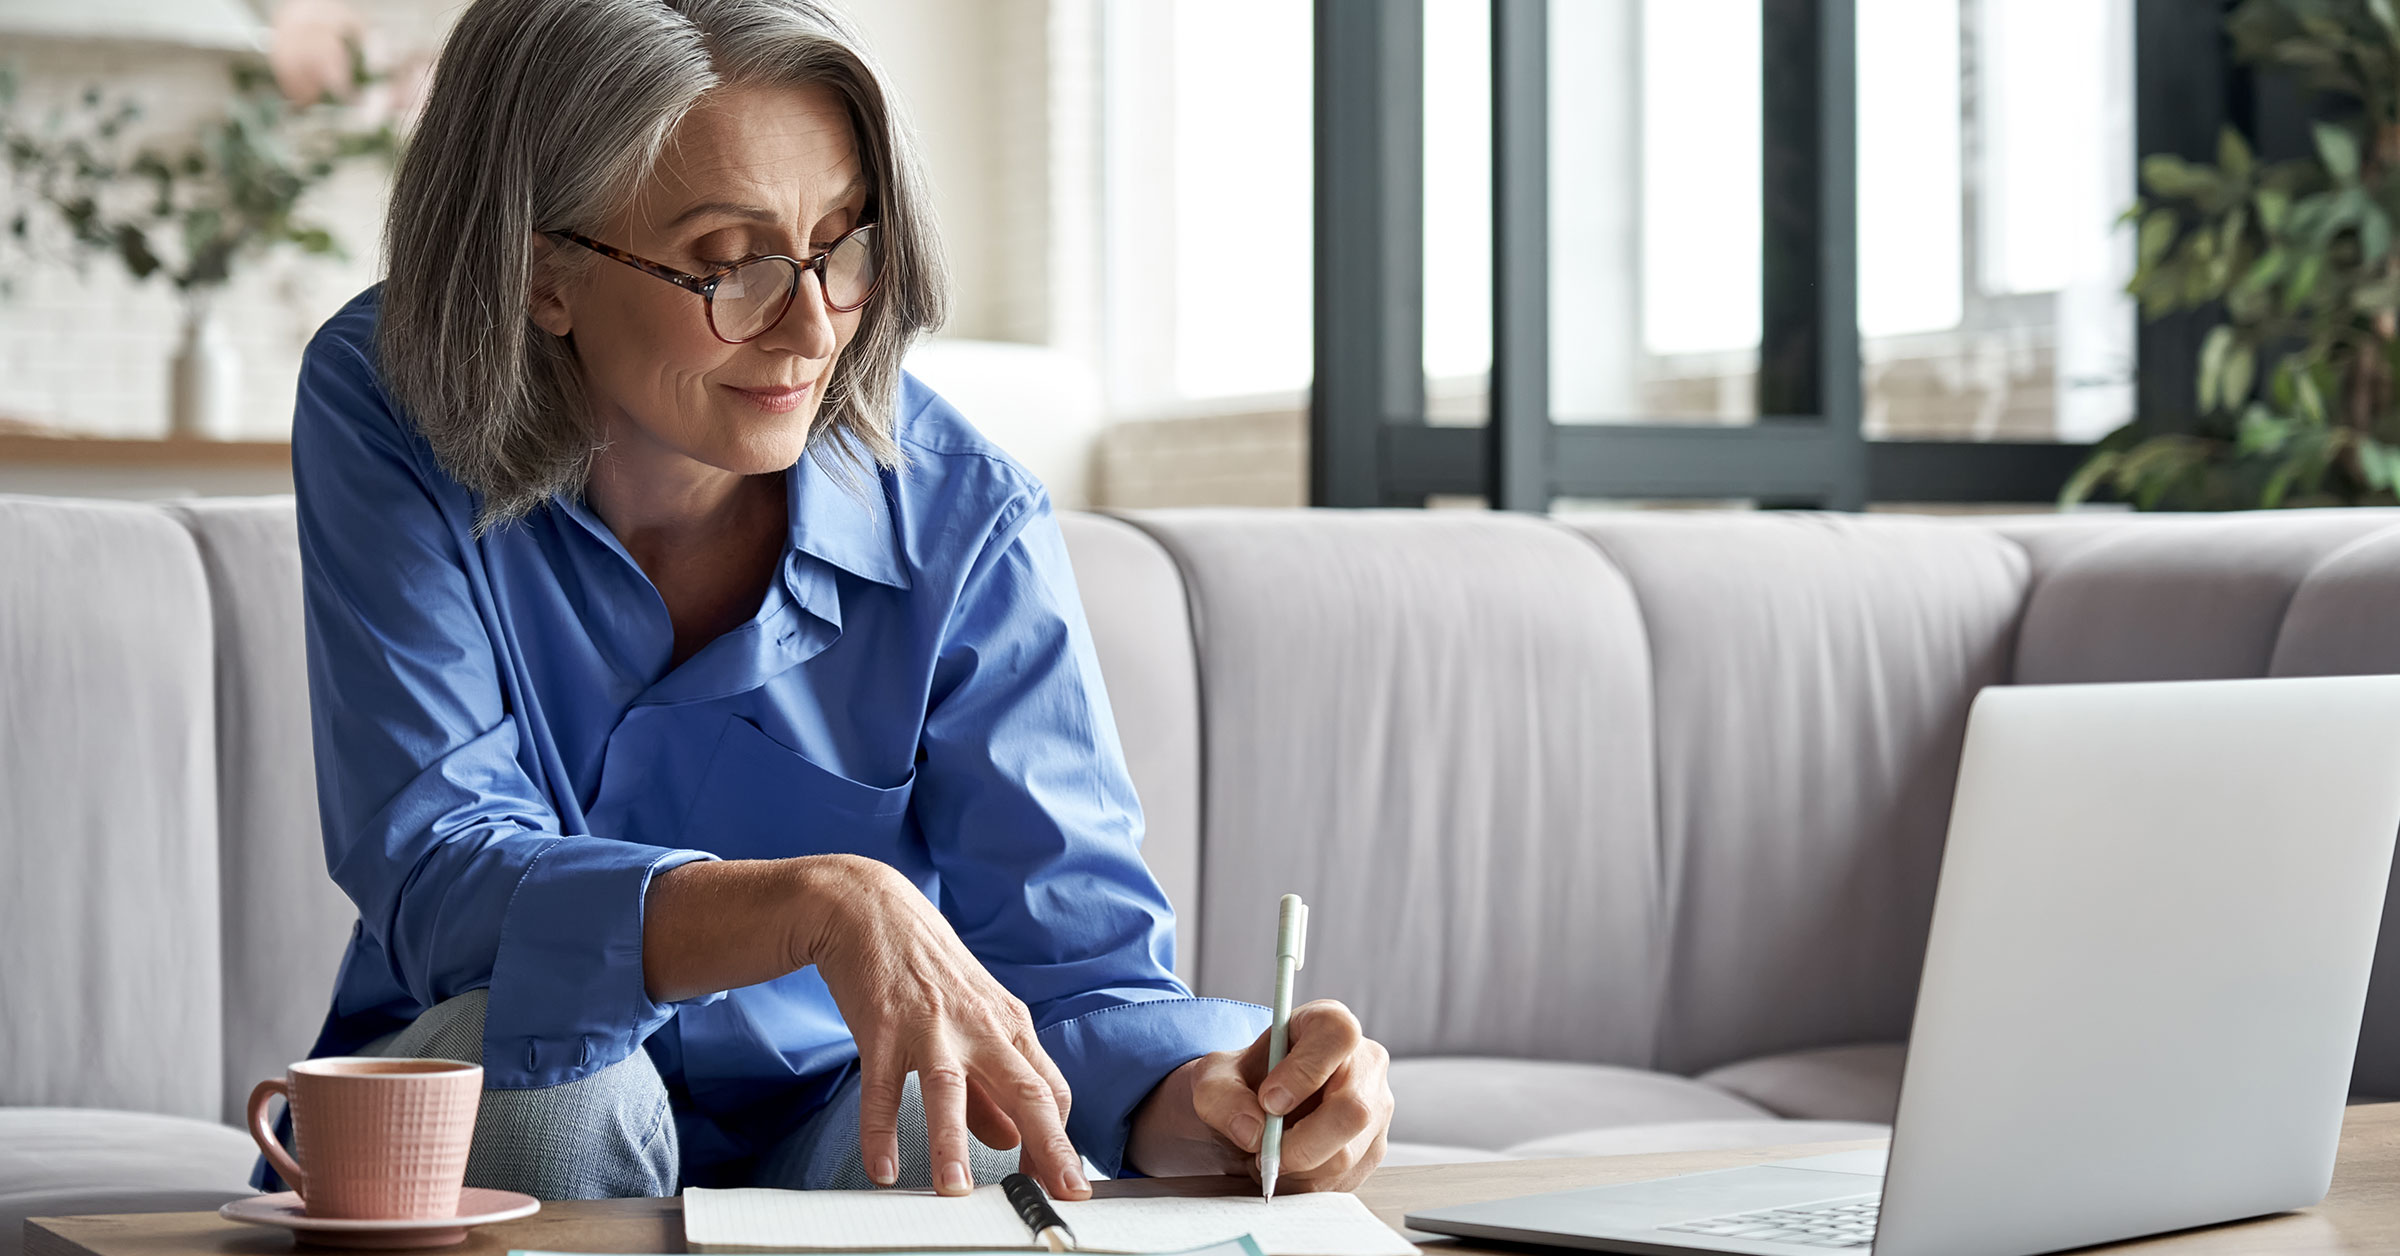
(760, 1219)
(1312, 1224)
(851, 1221)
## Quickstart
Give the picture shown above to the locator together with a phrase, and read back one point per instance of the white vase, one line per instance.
(205, 392)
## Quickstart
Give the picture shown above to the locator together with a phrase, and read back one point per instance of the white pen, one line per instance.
(1291, 946)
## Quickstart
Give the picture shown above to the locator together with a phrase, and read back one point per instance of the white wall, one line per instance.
(91, 354)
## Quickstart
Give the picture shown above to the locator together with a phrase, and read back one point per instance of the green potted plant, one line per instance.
(193, 213)
(2297, 397)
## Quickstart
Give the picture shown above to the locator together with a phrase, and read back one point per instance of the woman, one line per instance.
(706, 724)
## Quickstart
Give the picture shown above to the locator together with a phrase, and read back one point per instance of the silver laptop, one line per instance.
(2141, 996)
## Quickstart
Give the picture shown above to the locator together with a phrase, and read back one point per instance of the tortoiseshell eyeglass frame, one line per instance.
(705, 286)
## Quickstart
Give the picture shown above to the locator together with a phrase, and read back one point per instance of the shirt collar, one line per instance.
(843, 516)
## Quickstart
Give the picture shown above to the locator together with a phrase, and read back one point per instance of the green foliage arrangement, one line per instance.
(2296, 383)
(189, 215)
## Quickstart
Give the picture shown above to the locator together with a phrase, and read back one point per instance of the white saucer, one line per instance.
(476, 1206)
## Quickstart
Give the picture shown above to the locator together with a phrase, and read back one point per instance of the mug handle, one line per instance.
(264, 1135)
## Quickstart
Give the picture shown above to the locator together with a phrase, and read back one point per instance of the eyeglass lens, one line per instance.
(754, 296)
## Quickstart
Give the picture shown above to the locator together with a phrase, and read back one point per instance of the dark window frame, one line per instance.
(1370, 443)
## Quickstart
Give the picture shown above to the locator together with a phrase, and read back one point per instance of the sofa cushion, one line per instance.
(1142, 631)
(1494, 1103)
(1813, 674)
(286, 922)
(1855, 1083)
(66, 1162)
(1437, 727)
(1643, 1140)
(2176, 599)
(110, 993)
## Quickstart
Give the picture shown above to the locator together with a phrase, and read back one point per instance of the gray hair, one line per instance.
(547, 115)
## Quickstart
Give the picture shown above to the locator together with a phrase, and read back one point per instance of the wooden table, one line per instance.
(2361, 1215)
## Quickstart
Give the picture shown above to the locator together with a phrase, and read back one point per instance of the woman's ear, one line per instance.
(544, 303)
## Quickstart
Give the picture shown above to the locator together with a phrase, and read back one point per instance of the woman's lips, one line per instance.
(775, 400)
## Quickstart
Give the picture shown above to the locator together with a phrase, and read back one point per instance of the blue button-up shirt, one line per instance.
(505, 759)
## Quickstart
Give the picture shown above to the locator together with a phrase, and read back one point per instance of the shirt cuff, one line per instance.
(1114, 1057)
(567, 992)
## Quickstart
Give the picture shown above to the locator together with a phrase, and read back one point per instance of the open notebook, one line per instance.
(758, 1219)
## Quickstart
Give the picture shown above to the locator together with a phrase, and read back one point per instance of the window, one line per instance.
(1804, 252)
(1995, 154)
(1206, 187)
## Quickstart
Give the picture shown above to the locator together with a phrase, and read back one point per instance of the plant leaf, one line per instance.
(2241, 368)
(2213, 351)
(2088, 477)
(2173, 177)
(2234, 156)
(2303, 283)
(2338, 149)
(2264, 272)
(2158, 235)
(2382, 12)
(2374, 232)
(2373, 465)
(2274, 205)
(2261, 431)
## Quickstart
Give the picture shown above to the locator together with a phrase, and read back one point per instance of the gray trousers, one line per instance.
(612, 1133)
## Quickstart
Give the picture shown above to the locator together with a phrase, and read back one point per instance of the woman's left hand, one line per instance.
(1332, 1089)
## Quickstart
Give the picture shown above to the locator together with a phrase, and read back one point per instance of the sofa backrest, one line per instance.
(109, 954)
(1437, 728)
(285, 922)
(1142, 631)
(1813, 675)
(1656, 790)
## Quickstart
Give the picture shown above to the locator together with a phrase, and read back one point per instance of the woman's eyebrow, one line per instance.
(727, 208)
(756, 213)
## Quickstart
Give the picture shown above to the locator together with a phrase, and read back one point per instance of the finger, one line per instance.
(1027, 1098)
(1346, 1170)
(1253, 1060)
(1368, 1073)
(1323, 1034)
(986, 1121)
(1224, 1101)
(1345, 1111)
(944, 1087)
(880, 1086)
(1029, 1045)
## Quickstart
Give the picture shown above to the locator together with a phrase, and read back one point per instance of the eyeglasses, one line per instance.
(747, 299)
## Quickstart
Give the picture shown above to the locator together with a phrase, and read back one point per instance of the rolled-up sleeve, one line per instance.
(433, 823)
(1025, 801)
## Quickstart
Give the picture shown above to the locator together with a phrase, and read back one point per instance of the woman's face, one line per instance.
(751, 170)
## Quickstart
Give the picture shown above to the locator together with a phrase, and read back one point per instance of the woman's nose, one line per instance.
(807, 327)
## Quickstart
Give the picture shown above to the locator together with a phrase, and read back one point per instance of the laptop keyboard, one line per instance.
(1842, 1224)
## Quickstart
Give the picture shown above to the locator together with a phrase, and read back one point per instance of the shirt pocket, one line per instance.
(760, 799)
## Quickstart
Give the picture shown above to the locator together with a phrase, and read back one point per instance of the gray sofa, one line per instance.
(1620, 832)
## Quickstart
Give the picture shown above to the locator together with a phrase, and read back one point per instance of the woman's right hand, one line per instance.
(917, 1000)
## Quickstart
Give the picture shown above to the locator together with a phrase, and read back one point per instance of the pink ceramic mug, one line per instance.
(378, 1139)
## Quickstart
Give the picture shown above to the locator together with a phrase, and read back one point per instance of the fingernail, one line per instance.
(1276, 1099)
(1246, 1129)
(885, 1172)
(1075, 1181)
(954, 1177)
